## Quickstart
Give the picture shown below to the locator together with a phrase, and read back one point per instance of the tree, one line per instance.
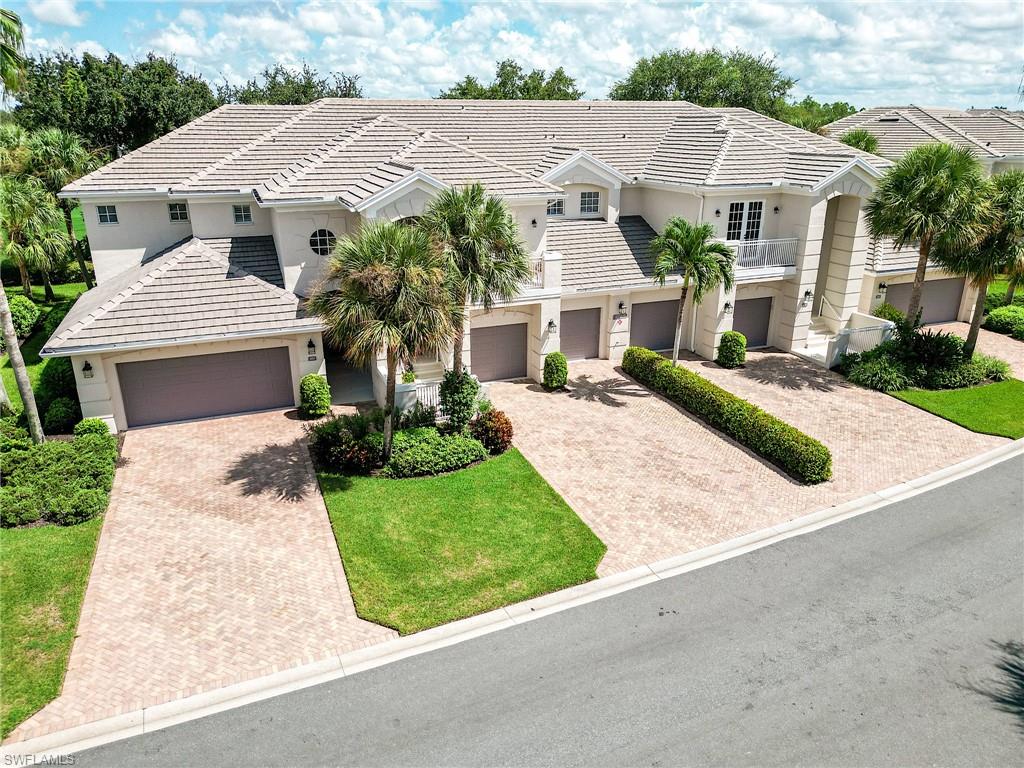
(511, 81)
(930, 197)
(691, 251)
(861, 139)
(57, 158)
(812, 115)
(14, 152)
(479, 242)
(1000, 248)
(35, 427)
(385, 290)
(708, 78)
(287, 86)
(12, 52)
(30, 225)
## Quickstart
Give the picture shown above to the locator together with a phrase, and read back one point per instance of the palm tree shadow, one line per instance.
(780, 369)
(610, 391)
(1006, 690)
(283, 471)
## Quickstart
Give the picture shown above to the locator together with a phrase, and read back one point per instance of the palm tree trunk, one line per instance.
(457, 342)
(679, 319)
(74, 243)
(35, 428)
(26, 283)
(389, 404)
(922, 265)
(1011, 289)
(979, 313)
(47, 288)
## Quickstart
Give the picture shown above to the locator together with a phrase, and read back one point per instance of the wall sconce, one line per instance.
(311, 350)
(718, 212)
(727, 308)
(883, 287)
(808, 295)
(622, 308)
(777, 209)
(86, 370)
(552, 326)
(533, 223)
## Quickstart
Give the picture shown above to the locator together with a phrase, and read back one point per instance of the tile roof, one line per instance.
(991, 133)
(193, 291)
(597, 254)
(353, 148)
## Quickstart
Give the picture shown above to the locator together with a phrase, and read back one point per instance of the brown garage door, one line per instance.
(940, 299)
(198, 386)
(653, 324)
(751, 317)
(498, 352)
(580, 333)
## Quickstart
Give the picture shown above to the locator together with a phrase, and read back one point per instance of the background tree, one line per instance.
(811, 115)
(511, 81)
(14, 152)
(280, 85)
(31, 229)
(12, 52)
(1000, 248)
(478, 240)
(861, 139)
(385, 290)
(690, 250)
(931, 197)
(709, 78)
(35, 427)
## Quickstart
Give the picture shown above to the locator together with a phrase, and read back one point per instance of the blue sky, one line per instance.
(930, 53)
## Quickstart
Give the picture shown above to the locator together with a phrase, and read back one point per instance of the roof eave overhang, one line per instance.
(111, 194)
(582, 157)
(857, 164)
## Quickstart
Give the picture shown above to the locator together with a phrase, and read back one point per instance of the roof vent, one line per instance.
(889, 119)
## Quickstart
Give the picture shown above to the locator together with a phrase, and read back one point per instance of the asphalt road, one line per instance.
(866, 643)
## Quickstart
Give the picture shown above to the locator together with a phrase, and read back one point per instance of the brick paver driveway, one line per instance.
(216, 564)
(996, 344)
(653, 482)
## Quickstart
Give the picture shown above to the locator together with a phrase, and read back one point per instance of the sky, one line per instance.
(953, 54)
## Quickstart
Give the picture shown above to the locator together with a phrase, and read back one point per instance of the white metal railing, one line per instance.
(857, 340)
(758, 254)
(536, 278)
(825, 303)
(429, 393)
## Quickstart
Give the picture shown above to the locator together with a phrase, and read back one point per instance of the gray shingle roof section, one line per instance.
(255, 255)
(597, 255)
(192, 292)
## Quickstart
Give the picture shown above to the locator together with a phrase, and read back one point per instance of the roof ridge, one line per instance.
(956, 130)
(716, 164)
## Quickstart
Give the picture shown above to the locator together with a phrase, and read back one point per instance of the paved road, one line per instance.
(861, 644)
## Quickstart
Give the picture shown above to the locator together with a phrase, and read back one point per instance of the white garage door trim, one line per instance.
(580, 332)
(498, 352)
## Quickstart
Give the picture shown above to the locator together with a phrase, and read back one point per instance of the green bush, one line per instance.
(419, 415)
(886, 311)
(457, 394)
(408, 377)
(432, 453)
(799, 455)
(493, 429)
(996, 298)
(884, 373)
(19, 506)
(55, 317)
(346, 444)
(556, 370)
(61, 416)
(314, 396)
(91, 427)
(57, 379)
(732, 350)
(1005, 320)
(24, 314)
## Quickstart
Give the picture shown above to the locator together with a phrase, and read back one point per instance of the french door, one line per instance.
(745, 224)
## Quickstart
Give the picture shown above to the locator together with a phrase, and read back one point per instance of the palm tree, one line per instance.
(385, 290)
(12, 52)
(691, 251)
(30, 229)
(35, 428)
(862, 139)
(14, 152)
(57, 158)
(933, 193)
(1000, 249)
(479, 241)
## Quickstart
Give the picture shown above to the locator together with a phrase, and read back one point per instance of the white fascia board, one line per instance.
(232, 194)
(303, 202)
(855, 164)
(135, 194)
(396, 189)
(583, 157)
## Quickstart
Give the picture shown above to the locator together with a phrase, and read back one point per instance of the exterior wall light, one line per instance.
(777, 209)
(86, 370)
(883, 287)
(552, 326)
(533, 223)
(808, 295)
(718, 212)
(311, 350)
(622, 308)
(727, 308)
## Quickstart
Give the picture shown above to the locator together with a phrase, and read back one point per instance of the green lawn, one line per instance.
(993, 409)
(43, 573)
(78, 222)
(426, 551)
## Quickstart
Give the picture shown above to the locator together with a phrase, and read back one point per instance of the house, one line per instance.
(206, 241)
(994, 136)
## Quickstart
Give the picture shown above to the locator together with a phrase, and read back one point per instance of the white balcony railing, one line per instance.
(429, 393)
(761, 254)
(536, 279)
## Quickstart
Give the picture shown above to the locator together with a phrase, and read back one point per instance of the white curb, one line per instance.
(201, 705)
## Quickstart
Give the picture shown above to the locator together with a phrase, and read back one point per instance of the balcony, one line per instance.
(536, 279)
(761, 259)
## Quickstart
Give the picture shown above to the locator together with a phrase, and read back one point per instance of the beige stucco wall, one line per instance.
(657, 206)
(301, 267)
(539, 339)
(534, 237)
(143, 228)
(215, 218)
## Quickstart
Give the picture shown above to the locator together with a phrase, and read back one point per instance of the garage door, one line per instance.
(580, 333)
(198, 386)
(653, 324)
(940, 299)
(498, 352)
(751, 317)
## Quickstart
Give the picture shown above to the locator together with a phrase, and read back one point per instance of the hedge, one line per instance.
(800, 456)
(314, 396)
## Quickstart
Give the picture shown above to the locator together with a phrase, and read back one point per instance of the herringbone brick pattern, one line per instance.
(997, 344)
(216, 564)
(653, 482)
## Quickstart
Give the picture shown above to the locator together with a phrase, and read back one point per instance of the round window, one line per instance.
(322, 242)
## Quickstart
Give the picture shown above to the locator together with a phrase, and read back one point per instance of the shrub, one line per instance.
(419, 415)
(1008, 319)
(432, 454)
(494, 430)
(996, 298)
(61, 416)
(314, 396)
(91, 427)
(408, 377)
(78, 506)
(57, 379)
(350, 443)
(19, 506)
(556, 370)
(483, 405)
(884, 373)
(458, 392)
(732, 350)
(55, 317)
(799, 455)
(886, 311)
(24, 314)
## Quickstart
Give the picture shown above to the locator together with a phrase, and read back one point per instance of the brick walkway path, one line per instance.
(216, 564)
(996, 344)
(652, 482)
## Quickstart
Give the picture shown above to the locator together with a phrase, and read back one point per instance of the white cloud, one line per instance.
(62, 13)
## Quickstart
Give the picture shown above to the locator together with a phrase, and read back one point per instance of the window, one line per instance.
(322, 242)
(590, 202)
(243, 213)
(177, 211)
(744, 221)
(556, 207)
(108, 214)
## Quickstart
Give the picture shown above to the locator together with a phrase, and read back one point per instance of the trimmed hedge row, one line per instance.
(800, 456)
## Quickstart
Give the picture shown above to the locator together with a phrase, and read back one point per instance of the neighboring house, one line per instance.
(994, 136)
(206, 240)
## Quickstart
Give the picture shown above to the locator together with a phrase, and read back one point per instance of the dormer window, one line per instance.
(590, 202)
(556, 207)
(242, 213)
